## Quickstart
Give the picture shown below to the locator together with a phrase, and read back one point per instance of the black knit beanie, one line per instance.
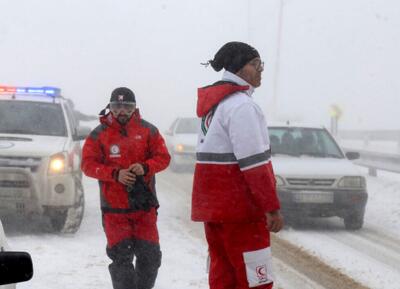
(233, 56)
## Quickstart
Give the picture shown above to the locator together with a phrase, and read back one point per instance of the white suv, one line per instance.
(40, 156)
(314, 177)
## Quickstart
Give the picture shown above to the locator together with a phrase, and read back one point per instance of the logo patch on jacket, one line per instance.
(206, 121)
(115, 151)
(261, 272)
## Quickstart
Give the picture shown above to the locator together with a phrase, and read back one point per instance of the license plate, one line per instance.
(313, 197)
(12, 193)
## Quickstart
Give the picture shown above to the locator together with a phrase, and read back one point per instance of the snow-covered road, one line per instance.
(79, 261)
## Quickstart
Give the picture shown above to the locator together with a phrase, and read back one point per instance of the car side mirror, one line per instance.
(15, 267)
(82, 132)
(353, 155)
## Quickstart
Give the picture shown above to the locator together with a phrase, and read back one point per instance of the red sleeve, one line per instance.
(261, 181)
(92, 161)
(159, 155)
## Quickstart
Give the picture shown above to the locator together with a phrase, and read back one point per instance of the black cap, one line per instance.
(122, 94)
(233, 56)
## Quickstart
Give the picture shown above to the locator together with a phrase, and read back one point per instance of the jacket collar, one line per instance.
(229, 76)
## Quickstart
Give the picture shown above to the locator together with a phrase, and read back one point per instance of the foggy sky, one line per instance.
(331, 52)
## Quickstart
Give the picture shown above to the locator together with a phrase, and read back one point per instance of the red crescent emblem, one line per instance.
(261, 272)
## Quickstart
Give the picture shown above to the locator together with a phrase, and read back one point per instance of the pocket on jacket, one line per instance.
(258, 267)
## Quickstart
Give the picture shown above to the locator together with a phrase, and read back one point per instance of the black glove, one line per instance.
(140, 197)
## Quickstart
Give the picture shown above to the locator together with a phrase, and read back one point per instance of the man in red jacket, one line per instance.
(234, 190)
(124, 152)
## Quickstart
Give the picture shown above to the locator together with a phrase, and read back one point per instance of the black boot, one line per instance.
(121, 269)
(148, 260)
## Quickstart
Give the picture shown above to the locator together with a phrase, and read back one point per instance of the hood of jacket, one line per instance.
(210, 96)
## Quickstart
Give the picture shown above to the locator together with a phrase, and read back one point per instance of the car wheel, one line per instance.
(75, 214)
(354, 221)
(69, 221)
(57, 219)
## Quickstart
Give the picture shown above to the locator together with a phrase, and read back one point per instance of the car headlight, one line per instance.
(280, 182)
(57, 164)
(180, 148)
(352, 182)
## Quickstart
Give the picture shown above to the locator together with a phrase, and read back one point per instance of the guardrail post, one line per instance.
(398, 143)
(366, 140)
(373, 172)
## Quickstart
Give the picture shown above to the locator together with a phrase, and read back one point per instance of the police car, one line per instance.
(40, 156)
(314, 177)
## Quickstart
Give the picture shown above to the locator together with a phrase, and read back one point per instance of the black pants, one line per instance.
(142, 275)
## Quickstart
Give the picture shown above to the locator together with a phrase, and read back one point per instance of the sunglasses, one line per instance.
(258, 64)
(127, 107)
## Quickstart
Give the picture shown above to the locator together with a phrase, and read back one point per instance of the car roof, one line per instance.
(289, 124)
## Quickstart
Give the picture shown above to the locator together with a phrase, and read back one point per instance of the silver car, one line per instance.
(181, 139)
(314, 177)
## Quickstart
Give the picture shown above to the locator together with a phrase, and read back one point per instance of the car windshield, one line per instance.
(188, 125)
(27, 117)
(303, 141)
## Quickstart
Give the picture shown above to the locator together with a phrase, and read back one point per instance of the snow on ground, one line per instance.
(79, 261)
(360, 254)
(383, 207)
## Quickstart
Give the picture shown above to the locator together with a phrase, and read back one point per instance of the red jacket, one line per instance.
(233, 179)
(111, 147)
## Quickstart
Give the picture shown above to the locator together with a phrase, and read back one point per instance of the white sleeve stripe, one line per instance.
(254, 165)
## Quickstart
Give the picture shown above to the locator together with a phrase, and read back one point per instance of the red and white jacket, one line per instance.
(233, 179)
(111, 147)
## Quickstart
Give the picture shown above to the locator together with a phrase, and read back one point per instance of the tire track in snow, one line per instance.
(370, 244)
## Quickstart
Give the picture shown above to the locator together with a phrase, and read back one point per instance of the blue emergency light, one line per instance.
(39, 91)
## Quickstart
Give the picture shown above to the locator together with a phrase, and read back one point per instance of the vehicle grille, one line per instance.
(14, 184)
(310, 182)
(32, 163)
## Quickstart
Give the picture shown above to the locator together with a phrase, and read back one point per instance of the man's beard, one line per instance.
(123, 119)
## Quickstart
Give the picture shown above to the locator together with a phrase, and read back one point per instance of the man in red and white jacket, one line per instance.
(234, 191)
(124, 153)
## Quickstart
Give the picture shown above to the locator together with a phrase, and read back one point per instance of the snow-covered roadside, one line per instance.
(79, 261)
(361, 254)
(390, 147)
